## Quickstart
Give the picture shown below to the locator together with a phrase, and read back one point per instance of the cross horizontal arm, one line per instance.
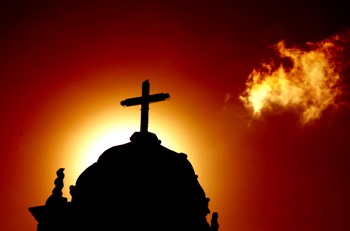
(139, 100)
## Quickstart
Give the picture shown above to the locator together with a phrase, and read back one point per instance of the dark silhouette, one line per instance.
(214, 221)
(56, 198)
(139, 185)
(144, 101)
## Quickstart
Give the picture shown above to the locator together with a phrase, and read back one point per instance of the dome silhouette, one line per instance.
(139, 185)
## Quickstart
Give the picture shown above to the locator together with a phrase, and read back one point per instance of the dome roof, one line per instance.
(140, 184)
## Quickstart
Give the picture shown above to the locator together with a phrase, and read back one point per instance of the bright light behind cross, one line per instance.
(102, 139)
(89, 139)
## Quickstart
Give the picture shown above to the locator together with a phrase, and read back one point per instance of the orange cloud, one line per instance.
(307, 81)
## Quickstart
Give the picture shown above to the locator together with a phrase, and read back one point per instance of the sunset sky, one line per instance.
(279, 162)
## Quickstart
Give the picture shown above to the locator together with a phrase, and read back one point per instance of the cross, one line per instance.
(144, 101)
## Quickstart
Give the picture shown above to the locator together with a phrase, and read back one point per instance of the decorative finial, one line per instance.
(214, 222)
(56, 197)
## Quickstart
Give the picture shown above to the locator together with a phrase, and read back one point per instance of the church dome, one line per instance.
(140, 185)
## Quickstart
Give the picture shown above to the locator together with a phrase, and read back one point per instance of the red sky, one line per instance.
(65, 67)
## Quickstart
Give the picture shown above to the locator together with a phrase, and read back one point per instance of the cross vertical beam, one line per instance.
(144, 101)
(144, 106)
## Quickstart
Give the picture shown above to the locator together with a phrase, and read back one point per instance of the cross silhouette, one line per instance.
(144, 101)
